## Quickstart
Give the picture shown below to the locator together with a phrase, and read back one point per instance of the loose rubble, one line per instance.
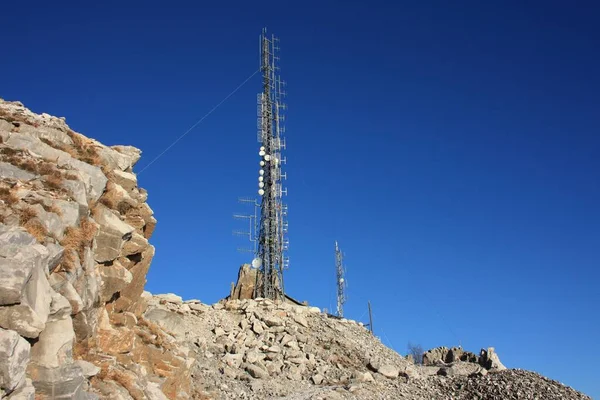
(257, 349)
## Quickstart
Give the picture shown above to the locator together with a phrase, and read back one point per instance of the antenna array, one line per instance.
(272, 227)
(340, 280)
(252, 220)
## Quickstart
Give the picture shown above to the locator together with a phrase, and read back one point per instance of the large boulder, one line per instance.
(60, 308)
(244, 288)
(435, 356)
(131, 152)
(130, 294)
(77, 189)
(19, 255)
(63, 382)
(444, 355)
(389, 371)
(115, 277)
(13, 277)
(114, 159)
(87, 287)
(169, 321)
(126, 180)
(136, 245)
(25, 391)
(55, 345)
(51, 221)
(10, 171)
(460, 368)
(67, 290)
(55, 255)
(490, 360)
(92, 176)
(37, 293)
(14, 353)
(113, 233)
(31, 313)
(22, 319)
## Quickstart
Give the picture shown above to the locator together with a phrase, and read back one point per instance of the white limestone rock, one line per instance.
(14, 353)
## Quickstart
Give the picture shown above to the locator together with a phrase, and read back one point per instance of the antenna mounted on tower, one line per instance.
(252, 231)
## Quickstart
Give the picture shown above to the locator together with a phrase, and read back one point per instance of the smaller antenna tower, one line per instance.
(340, 280)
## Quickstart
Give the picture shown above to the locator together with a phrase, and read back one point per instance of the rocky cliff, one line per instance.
(74, 253)
(76, 323)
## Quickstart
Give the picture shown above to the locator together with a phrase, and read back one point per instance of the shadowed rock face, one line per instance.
(74, 254)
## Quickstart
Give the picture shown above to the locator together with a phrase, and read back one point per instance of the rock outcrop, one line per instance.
(246, 282)
(443, 356)
(74, 253)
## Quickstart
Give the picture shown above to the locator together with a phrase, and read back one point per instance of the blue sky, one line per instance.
(451, 149)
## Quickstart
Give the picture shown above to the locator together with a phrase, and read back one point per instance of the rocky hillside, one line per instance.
(256, 349)
(75, 322)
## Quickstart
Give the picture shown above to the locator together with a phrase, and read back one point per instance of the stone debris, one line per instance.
(508, 384)
(256, 349)
(389, 371)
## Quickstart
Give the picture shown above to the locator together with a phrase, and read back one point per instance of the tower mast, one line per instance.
(272, 242)
(340, 280)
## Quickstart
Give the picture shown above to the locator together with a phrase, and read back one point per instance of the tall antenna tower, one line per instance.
(273, 226)
(340, 280)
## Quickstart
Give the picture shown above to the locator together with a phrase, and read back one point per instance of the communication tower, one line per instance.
(272, 243)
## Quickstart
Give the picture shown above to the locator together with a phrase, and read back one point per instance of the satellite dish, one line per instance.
(261, 192)
(262, 148)
(261, 184)
(261, 153)
(341, 280)
(267, 157)
(260, 179)
(256, 263)
(262, 163)
(261, 172)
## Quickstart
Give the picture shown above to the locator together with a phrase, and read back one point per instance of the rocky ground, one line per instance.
(257, 349)
(75, 322)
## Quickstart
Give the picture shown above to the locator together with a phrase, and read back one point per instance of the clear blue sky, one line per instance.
(452, 150)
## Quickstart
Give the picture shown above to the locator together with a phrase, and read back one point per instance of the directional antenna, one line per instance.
(251, 219)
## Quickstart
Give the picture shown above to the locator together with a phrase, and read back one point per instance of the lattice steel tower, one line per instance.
(340, 280)
(272, 229)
